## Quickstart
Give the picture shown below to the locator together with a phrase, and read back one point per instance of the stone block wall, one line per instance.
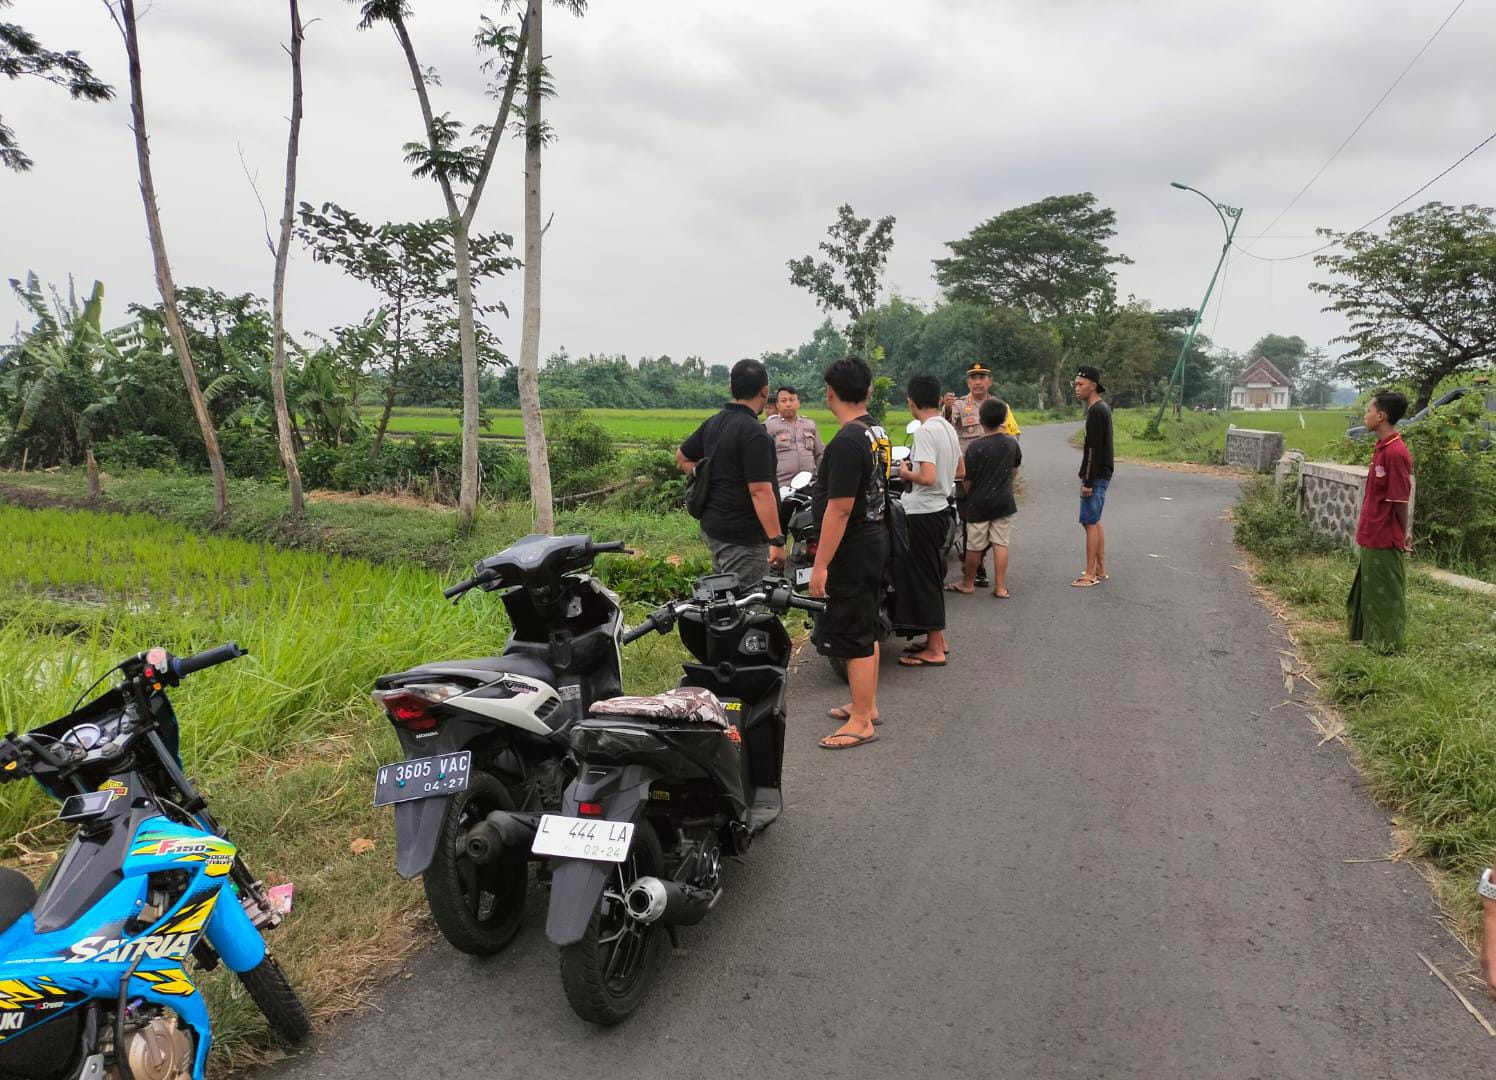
(1255, 450)
(1330, 497)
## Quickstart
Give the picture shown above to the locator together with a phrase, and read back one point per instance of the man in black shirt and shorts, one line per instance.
(988, 470)
(1095, 473)
(741, 522)
(848, 503)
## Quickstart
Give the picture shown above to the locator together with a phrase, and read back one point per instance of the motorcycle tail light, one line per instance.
(413, 707)
(810, 548)
(590, 809)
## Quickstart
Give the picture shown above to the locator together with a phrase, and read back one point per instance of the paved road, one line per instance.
(1090, 847)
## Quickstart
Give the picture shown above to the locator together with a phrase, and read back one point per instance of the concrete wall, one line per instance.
(1255, 450)
(1330, 497)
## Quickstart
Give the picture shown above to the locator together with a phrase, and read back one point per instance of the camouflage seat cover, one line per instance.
(689, 703)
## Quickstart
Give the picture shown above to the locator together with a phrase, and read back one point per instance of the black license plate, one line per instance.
(422, 778)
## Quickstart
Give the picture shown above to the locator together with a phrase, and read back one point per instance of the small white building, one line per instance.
(1261, 386)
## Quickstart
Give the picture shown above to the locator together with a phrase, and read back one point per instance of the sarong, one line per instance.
(1377, 608)
(919, 579)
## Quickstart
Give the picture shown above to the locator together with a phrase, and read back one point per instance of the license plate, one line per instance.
(802, 575)
(422, 778)
(583, 838)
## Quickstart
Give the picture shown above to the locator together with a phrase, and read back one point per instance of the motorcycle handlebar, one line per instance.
(454, 591)
(181, 667)
(607, 546)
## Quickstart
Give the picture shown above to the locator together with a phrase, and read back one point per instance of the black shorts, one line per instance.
(854, 592)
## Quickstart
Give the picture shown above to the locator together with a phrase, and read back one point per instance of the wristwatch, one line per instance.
(777, 541)
(1486, 889)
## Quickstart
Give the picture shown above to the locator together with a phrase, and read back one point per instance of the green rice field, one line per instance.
(627, 425)
(1201, 437)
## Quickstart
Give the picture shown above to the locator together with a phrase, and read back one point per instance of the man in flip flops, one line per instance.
(964, 413)
(988, 470)
(849, 503)
(1095, 473)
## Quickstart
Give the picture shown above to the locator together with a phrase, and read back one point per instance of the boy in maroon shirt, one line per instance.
(1376, 605)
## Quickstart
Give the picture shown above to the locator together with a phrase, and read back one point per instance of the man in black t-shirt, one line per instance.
(1095, 473)
(988, 469)
(741, 522)
(848, 504)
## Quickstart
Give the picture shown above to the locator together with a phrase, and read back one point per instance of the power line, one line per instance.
(1354, 131)
(1314, 251)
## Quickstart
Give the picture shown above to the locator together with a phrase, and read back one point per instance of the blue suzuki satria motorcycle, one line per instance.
(94, 971)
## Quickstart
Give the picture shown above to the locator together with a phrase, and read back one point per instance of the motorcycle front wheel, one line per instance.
(606, 974)
(477, 908)
(272, 993)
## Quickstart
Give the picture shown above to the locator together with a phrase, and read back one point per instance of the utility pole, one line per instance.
(1224, 212)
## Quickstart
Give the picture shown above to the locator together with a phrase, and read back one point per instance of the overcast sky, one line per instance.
(702, 143)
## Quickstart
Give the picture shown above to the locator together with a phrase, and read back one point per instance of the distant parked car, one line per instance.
(1359, 431)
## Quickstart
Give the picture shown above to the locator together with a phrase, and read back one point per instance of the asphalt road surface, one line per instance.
(1094, 845)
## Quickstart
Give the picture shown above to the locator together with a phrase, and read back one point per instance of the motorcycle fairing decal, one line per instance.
(171, 981)
(23, 993)
(216, 853)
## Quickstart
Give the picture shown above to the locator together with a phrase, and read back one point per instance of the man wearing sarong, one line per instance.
(1376, 607)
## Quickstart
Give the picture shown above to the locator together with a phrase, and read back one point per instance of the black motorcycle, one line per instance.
(665, 787)
(488, 735)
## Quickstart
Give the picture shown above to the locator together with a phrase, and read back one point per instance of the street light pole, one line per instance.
(1223, 212)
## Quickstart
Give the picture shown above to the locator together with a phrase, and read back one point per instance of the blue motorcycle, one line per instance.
(94, 977)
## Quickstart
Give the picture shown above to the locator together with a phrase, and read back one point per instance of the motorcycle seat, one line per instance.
(529, 667)
(690, 704)
(17, 896)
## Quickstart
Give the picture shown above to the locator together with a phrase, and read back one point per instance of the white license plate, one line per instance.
(583, 838)
(802, 575)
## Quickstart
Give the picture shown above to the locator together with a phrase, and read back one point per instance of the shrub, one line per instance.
(663, 486)
(1268, 522)
(584, 457)
(249, 456)
(136, 451)
(1454, 513)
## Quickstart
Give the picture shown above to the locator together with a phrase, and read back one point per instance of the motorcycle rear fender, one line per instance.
(418, 823)
(577, 884)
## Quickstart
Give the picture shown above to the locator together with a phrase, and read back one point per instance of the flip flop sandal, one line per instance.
(857, 740)
(953, 587)
(842, 716)
(1085, 582)
(912, 647)
(1002, 595)
(917, 661)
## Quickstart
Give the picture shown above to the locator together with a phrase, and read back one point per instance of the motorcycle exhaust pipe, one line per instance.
(501, 837)
(668, 902)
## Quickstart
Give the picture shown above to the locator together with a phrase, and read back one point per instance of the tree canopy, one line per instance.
(1421, 299)
(22, 55)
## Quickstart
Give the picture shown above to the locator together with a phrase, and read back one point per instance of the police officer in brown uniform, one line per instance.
(797, 442)
(964, 413)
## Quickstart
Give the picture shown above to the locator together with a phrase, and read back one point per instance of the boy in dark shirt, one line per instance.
(988, 469)
(1095, 473)
(1376, 607)
(848, 504)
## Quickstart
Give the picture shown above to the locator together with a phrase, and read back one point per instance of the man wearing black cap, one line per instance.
(1095, 473)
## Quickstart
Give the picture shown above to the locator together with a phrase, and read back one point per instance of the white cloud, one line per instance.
(705, 142)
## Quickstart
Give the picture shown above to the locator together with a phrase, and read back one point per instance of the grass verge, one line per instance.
(1200, 438)
(284, 741)
(1423, 723)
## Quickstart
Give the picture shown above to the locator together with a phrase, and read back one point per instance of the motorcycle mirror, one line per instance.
(785, 491)
(911, 427)
(900, 453)
(800, 481)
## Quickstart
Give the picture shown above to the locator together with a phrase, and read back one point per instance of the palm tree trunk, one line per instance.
(278, 291)
(529, 349)
(164, 282)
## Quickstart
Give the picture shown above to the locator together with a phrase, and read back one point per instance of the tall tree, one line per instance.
(22, 55)
(1314, 385)
(1420, 300)
(278, 290)
(849, 278)
(442, 158)
(412, 267)
(123, 13)
(529, 348)
(1050, 259)
(1284, 353)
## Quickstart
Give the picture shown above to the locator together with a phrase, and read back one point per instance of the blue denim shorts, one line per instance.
(1090, 505)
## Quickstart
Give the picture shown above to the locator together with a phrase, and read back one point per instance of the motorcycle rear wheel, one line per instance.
(272, 993)
(607, 973)
(478, 909)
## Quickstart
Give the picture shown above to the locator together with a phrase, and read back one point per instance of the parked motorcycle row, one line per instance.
(626, 805)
